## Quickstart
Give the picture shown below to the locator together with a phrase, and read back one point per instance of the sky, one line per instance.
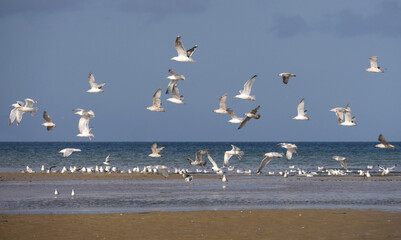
(49, 47)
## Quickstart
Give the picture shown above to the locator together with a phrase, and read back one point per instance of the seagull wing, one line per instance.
(231, 113)
(264, 162)
(244, 122)
(373, 63)
(343, 164)
(285, 79)
(175, 91)
(154, 148)
(248, 86)
(340, 116)
(29, 102)
(83, 124)
(46, 117)
(191, 51)
(180, 47)
(227, 157)
(301, 108)
(383, 140)
(222, 102)
(13, 115)
(156, 98)
(91, 80)
(171, 85)
(211, 160)
(172, 72)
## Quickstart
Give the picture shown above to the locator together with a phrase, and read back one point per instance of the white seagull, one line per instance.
(215, 168)
(246, 91)
(198, 159)
(16, 113)
(339, 113)
(348, 120)
(94, 86)
(174, 77)
(176, 96)
(373, 65)
(68, 151)
(291, 148)
(234, 118)
(301, 111)
(384, 143)
(156, 150)
(156, 106)
(268, 157)
(286, 77)
(235, 151)
(183, 55)
(249, 116)
(222, 105)
(107, 160)
(56, 193)
(72, 193)
(341, 160)
(83, 124)
(48, 124)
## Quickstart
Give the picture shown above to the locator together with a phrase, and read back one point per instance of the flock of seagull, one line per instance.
(343, 115)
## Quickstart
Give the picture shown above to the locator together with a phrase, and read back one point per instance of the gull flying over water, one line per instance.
(83, 124)
(156, 106)
(301, 111)
(183, 55)
(235, 151)
(246, 90)
(107, 160)
(384, 143)
(373, 65)
(174, 77)
(48, 124)
(215, 168)
(286, 77)
(249, 116)
(198, 159)
(176, 96)
(234, 118)
(156, 150)
(268, 157)
(291, 148)
(341, 160)
(68, 151)
(222, 105)
(16, 113)
(94, 86)
(348, 120)
(339, 113)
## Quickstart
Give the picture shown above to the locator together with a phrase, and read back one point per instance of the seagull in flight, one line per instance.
(198, 159)
(68, 151)
(373, 65)
(235, 151)
(156, 150)
(339, 113)
(174, 77)
(16, 113)
(348, 120)
(48, 124)
(215, 168)
(291, 148)
(183, 55)
(384, 143)
(301, 111)
(249, 116)
(156, 106)
(107, 160)
(234, 118)
(341, 160)
(176, 96)
(83, 124)
(286, 77)
(222, 105)
(94, 86)
(268, 157)
(246, 91)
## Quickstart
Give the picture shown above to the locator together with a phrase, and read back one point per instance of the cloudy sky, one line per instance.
(49, 47)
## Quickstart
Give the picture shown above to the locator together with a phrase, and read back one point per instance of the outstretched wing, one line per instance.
(156, 98)
(263, 163)
(180, 47)
(46, 117)
(301, 108)
(248, 86)
(373, 62)
(244, 122)
(222, 102)
(383, 140)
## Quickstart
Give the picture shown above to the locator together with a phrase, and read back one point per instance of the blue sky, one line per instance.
(49, 47)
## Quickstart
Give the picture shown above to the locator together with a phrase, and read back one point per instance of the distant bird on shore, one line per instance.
(72, 193)
(384, 143)
(235, 151)
(188, 178)
(156, 150)
(48, 124)
(198, 159)
(107, 160)
(234, 118)
(56, 193)
(301, 111)
(68, 151)
(386, 171)
(174, 77)
(291, 148)
(268, 157)
(224, 179)
(183, 55)
(373, 65)
(156, 106)
(286, 77)
(176, 96)
(249, 116)
(222, 105)
(246, 90)
(16, 113)
(341, 160)
(95, 88)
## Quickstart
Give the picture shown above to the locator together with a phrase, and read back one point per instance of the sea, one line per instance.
(242, 191)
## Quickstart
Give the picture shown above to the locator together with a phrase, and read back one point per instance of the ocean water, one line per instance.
(240, 192)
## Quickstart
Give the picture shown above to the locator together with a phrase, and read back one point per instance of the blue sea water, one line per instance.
(240, 192)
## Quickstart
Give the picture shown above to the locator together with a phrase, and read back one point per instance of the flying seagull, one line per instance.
(339, 113)
(348, 120)
(373, 65)
(222, 105)
(156, 106)
(301, 111)
(176, 96)
(183, 55)
(384, 143)
(268, 157)
(286, 77)
(16, 113)
(244, 92)
(83, 124)
(107, 160)
(235, 151)
(341, 160)
(234, 118)
(174, 77)
(94, 86)
(198, 159)
(249, 116)
(291, 148)
(68, 151)
(48, 124)
(215, 168)
(156, 150)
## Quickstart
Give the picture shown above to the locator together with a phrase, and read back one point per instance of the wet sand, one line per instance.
(237, 224)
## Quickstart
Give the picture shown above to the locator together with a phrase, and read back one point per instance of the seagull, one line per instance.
(173, 80)
(188, 178)
(72, 193)
(163, 169)
(176, 96)
(56, 193)
(244, 93)
(286, 77)
(341, 160)
(198, 159)
(268, 157)
(348, 121)
(107, 160)
(83, 124)
(68, 151)
(156, 151)
(339, 113)
(28, 107)
(222, 105)
(249, 116)
(373, 65)
(301, 111)
(386, 171)
(291, 148)
(224, 179)
(48, 124)
(384, 143)
(94, 86)
(215, 168)
(235, 151)
(16, 113)
(234, 118)
(183, 55)
(156, 106)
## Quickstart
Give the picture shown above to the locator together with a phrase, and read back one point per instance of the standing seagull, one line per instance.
(68, 151)
(291, 148)
(222, 105)
(48, 124)
(348, 120)
(176, 96)
(249, 116)
(234, 151)
(234, 118)
(268, 157)
(156, 106)
(384, 143)
(244, 92)
(94, 86)
(156, 150)
(183, 55)
(373, 65)
(341, 160)
(15, 113)
(174, 77)
(198, 159)
(301, 111)
(286, 77)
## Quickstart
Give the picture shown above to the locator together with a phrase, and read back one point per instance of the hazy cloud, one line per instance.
(289, 26)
